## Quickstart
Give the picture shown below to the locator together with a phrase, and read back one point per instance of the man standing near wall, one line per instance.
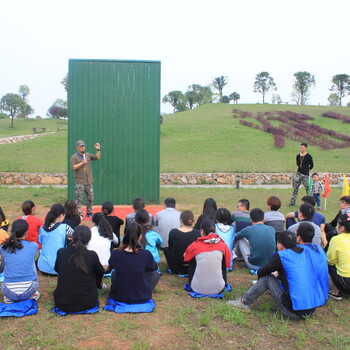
(305, 164)
(81, 165)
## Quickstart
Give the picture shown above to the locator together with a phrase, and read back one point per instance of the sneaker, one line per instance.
(7, 300)
(239, 304)
(104, 286)
(291, 205)
(254, 282)
(319, 208)
(90, 215)
(36, 295)
(335, 296)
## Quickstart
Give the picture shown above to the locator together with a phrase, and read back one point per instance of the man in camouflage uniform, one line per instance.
(81, 165)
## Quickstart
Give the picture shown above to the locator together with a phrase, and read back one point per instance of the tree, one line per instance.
(177, 99)
(198, 95)
(64, 82)
(235, 96)
(303, 82)
(341, 85)
(225, 99)
(276, 98)
(191, 97)
(13, 104)
(219, 83)
(24, 91)
(58, 109)
(333, 99)
(264, 83)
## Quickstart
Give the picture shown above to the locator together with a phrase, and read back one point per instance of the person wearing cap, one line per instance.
(81, 165)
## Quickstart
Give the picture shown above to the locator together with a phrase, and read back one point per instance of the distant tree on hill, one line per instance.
(27, 110)
(276, 99)
(235, 96)
(219, 83)
(333, 99)
(24, 91)
(303, 82)
(197, 95)
(58, 109)
(177, 99)
(264, 83)
(341, 85)
(13, 104)
(64, 82)
(225, 99)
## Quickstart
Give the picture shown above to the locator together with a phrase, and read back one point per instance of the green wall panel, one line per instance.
(117, 103)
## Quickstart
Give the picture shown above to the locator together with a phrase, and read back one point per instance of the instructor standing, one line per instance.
(81, 165)
(305, 163)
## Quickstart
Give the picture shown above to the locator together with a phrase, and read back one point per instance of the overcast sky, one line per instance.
(194, 40)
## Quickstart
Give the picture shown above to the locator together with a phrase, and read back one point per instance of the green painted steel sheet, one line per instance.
(117, 103)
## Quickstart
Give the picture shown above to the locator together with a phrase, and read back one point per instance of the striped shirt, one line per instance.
(316, 187)
(338, 254)
(19, 287)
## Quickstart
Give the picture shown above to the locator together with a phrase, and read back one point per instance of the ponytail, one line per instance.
(142, 218)
(55, 211)
(19, 228)
(104, 227)
(81, 237)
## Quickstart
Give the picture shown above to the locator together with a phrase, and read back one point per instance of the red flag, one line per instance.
(327, 187)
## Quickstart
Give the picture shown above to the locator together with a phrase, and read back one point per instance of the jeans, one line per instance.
(243, 248)
(272, 284)
(24, 296)
(317, 199)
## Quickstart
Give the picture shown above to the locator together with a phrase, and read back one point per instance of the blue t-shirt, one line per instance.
(317, 219)
(20, 266)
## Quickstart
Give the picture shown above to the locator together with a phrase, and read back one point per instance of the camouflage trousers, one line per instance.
(297, 181)
(79, 195)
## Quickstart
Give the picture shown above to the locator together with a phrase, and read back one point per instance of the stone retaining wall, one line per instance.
(168, 178)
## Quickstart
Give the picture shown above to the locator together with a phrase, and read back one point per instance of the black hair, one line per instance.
(287, 239)
(81, 237)
(344, 220)
(245, 203)
(304, 144)
(187, 218)
(55, 211)
(209, 209)
(345, 199)
(274, 203)
(142, 218)
(107, 208)
(71, 208)
(306, 232)
(27, 207)
(19, 228)
(104, 227)
(170, 202)
(309, 199)
(223, 216)
(208, 226)
(313, 174)
(131, 238)
(256, 215)
(307, 210)
(138, 203)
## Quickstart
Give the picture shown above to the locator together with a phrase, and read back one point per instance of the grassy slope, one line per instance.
(209, 139)
(205, 139)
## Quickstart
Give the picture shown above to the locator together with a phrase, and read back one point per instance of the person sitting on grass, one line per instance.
(241, 216)
(338, 255)
(107, 210)
(209, 212)
(4, 223)
(17, 260)
(135, 270)
(53, 235)
(101, 238)
(208, 258)
(273, 217)
(179, 240)
(3, 234)
(80, 274)
(256, 243)
(138, 203)
(296, 277)
(150, 239)
(34, 222)
(72, 217)
(344, 206)
(305, 214)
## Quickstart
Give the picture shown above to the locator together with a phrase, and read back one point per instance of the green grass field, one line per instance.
(206, 139)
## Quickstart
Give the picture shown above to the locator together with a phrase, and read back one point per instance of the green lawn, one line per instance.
(206, 139)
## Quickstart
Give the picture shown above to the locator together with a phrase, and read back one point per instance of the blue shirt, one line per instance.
(317, 219)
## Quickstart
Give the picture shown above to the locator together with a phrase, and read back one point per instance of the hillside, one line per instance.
(206, 139)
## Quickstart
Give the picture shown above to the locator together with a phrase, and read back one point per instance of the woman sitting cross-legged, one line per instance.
(80, 274)
(17, 260)
(135, 271)
(179, 240)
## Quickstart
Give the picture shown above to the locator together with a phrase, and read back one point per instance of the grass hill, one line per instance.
(206, 139)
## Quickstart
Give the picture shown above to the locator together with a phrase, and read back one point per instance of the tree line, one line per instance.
(264, 83)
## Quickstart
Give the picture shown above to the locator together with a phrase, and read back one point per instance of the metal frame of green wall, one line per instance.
(117, 103)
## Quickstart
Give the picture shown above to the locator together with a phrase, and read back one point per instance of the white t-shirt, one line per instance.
(101, 245)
